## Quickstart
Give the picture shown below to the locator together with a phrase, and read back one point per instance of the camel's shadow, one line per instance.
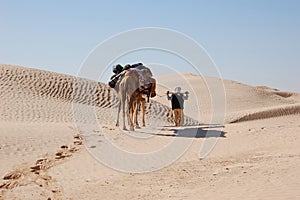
(205, 131)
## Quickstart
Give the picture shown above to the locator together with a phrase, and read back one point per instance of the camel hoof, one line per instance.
(138, 127)
(131, 129)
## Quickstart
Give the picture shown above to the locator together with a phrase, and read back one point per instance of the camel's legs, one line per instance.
(136, 108)
(129, 119)
(123, 113)
(143, 101)
(119, 109)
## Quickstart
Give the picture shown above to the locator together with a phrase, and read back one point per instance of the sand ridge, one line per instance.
(42, 156)
(241, 100)
(50, 97)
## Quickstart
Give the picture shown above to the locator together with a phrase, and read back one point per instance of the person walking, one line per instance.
(177, 101)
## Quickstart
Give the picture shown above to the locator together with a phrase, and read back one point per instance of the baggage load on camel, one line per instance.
(118, 71)
(137, 65)
(147, 84)
(114, 79)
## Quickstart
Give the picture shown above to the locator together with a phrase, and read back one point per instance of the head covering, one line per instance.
(177, 89)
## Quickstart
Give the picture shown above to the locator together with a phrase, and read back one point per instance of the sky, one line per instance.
(256, 42)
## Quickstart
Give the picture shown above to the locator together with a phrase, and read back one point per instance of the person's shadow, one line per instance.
(194, 132)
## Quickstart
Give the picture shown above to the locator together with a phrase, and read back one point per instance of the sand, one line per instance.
(53, 125)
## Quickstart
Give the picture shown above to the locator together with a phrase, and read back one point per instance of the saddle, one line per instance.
(147, 84)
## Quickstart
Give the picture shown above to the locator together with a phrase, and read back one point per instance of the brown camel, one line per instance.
(140, 99)
(127, 92)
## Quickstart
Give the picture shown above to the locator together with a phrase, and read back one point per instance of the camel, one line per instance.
(127, 93)
(140, 99)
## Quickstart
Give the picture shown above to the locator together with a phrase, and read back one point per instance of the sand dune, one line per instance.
(267, 113)
(50, 96)
(241, 100)
(41, 96)
(45, 117)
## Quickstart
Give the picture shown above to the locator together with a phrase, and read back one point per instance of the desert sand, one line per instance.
(50, 141)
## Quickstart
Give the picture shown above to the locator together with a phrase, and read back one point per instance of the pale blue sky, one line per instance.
(251, 41)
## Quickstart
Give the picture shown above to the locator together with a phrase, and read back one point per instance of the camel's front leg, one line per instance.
(143, 111)
(136, 109)
(131, 111)
(123, 114)
(129, 119)
(118, 116)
